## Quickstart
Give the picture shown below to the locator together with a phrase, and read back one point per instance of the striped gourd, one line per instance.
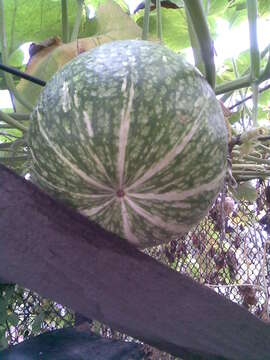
(133, 137)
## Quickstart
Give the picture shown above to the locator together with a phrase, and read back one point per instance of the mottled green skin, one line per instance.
(169, 100)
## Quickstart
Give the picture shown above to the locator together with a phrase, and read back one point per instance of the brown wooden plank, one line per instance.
(50, 249)
(72, 344)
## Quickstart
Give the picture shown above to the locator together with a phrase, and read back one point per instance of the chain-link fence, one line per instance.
(228, 251)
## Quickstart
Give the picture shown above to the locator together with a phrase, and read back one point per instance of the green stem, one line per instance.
(77, 24)
(240, 83)
(207, 6)
(240, 91)
(159, 20)
(4, 51)
(266, 72)
(264, 147)
(254, 47)
(254, 56)
(257, 160)
(251, 173)
(13, 27)
(200, 26)
(14, 123)
(20, 116)
(146, 20)
(64, 7)
(265, 51)
(248, 166)
(18, 96)
(255, 98)
(194, 44)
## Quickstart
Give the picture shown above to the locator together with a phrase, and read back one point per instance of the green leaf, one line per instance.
(34, 21)
(114, 22)
(235, 117)
(179, 3)
(3, 343)
(94, 3)
(36, 326)
(243, 62)
(16, 58)
(7, 292)
(236, 13)
(217, 7)
(227, 74)
(13, 319)
(263, 8)
(3, 311)
(245, 191)
(174, 27)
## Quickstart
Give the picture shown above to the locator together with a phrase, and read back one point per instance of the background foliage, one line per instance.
(221, 252)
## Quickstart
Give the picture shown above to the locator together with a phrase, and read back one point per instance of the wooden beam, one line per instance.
(51, 249)
(72, 344)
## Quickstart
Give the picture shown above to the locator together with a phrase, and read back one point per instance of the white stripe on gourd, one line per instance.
(123, 131)
(156, 220)
(73, 167)
(126, 226)
(180, 196)
(95, 210)
(171, 155)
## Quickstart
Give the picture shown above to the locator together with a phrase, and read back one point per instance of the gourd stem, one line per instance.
(254, 47)
(201, 29)
(64, 7)
(77, 24)
(255, 99)
(159, 20)
(146, 20)
(194, 43)
(236, 84)
(254, 56)
(14, 123)
(3, 47)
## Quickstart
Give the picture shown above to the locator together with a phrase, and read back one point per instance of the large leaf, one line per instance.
(112, 24)
(245, 191)
(174, 26)
(37, 20)
(47, 61)
(113, 21)
(216, 7)
(236, 13)
(264, 8)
